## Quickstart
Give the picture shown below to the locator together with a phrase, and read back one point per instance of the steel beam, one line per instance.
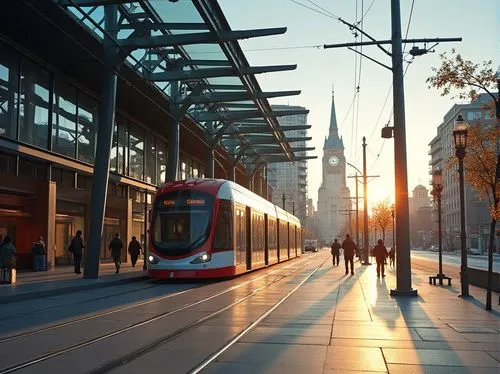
(173, 136)
(228, 87)
(167, 76)
(104, 141)
(93, 2)
(197, 38)
(164, 26)
(242, 130)
(217, 97)
(244, 114)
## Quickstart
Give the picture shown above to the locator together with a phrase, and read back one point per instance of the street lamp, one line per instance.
(393, 209)
(437, 188)
(460, 138)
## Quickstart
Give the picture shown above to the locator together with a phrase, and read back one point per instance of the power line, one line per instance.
(323, 9)
(364, 15)
(315, 10)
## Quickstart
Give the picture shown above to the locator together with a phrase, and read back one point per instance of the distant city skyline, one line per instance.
(318, 69)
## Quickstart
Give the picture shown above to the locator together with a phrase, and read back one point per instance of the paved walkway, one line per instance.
(32, 285)
(338, 323)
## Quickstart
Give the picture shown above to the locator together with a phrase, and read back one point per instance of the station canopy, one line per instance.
(187, 49)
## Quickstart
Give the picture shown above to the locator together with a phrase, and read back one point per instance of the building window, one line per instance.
(150, 159)
(34, 113)
(8, 92)
(136, 152)
(88, 112)
(31, 169)
(122, 146)
(183, 170)
(113, 155)
(161, 163)
(64, 119)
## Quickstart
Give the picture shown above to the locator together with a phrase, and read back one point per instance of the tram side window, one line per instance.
(241, 242)
(272, 240)
(224, 226)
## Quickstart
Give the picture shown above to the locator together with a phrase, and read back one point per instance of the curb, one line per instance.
(68, 289)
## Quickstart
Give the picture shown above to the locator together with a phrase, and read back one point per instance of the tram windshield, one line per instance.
(182, 221)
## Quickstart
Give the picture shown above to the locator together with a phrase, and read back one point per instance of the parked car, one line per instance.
(473, 251)
(434, 248)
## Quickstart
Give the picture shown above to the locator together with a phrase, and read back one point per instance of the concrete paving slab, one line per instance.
(425, 369)
(355, 358)
(439, 357)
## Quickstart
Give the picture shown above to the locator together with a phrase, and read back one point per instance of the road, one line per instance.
(479, 262)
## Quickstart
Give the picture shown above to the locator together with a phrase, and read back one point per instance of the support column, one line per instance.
(232, 173)
(403, 261)
(126, 228)
(45, 219)
(210, 164)
(104, 140)
(173, 136)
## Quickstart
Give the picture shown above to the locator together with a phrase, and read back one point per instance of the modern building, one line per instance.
(290, 179)
(333, 195)
(442, 149)
(172, 117)
(421, 225)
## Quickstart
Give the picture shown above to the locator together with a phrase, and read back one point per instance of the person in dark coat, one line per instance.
(134, 248)
(380, 253)
(335, 252)
(116, 247)
(39, 251)
(349, 249)
(7, 254)
(392, 256)
(76, 247)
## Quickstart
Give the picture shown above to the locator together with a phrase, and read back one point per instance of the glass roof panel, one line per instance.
(162, 11)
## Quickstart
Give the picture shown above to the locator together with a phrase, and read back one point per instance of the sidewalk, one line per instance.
(33, 285)
(339, 323)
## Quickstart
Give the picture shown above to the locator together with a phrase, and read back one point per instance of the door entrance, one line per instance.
(63, 238)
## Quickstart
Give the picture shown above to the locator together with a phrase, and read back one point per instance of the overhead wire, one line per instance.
(359, 83)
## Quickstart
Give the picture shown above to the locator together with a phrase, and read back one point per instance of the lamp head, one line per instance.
(460, 133)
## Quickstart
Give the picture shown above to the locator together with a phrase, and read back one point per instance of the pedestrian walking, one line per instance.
(39, 252)
(76, 247)
(380, 253)
(116, 246)
(349, 249)
(335, 252)
(392, 256)
(134, 248)
(7, 261)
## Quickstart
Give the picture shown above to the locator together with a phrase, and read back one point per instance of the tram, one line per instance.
(212, 228)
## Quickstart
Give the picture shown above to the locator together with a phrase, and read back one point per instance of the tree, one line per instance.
(482, 161)
(381, 214)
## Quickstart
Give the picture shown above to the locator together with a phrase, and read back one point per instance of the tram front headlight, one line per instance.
(205, 257)
(152, 259)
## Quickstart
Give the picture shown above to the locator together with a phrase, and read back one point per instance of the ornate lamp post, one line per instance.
(437, 188)
(460, 138)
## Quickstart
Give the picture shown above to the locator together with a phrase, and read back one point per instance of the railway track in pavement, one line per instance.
(102, 338)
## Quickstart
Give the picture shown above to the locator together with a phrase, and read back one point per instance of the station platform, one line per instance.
(33, 285)
(338, 323)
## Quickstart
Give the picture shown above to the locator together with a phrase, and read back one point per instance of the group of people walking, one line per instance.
(115, 246)
(350, 248)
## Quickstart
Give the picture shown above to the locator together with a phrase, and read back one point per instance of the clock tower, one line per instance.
(333, 194)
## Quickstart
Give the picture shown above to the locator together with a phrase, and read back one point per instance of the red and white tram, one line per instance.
(210, 228)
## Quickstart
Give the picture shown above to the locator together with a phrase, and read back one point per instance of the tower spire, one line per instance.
(333, 140)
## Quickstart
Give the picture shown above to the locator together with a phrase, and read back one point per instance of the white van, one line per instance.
(311, 245)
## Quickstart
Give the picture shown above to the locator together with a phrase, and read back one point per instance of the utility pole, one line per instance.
(403, 274)
(366, 259)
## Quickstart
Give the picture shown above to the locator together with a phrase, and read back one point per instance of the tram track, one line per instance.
(133, 306)
(61, 306)
(114, 364)
(59, 352)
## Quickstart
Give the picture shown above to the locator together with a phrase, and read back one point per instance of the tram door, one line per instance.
(266, 240)
(249, 238)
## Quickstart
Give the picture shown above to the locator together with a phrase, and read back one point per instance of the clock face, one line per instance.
(333, 160)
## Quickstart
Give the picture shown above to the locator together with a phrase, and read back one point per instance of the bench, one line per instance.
(432, 279)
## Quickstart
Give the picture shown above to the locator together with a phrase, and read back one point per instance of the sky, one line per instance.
(477, 22)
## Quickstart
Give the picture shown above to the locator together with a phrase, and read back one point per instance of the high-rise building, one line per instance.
(289, 179)
(442, 149)
(333, 194)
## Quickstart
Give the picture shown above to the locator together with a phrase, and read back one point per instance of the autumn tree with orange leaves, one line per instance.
(381, 214)
(482, 160)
